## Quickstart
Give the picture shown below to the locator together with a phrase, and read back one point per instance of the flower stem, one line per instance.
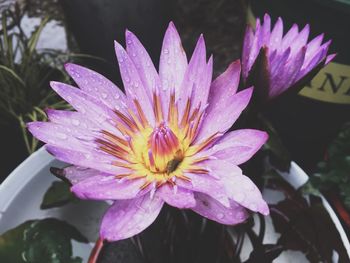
(96, 251)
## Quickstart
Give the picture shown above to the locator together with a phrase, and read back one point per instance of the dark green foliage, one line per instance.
(25, 73)
(40, 241)
(333, 174)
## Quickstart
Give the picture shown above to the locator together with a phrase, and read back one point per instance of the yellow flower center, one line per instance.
(161, 154)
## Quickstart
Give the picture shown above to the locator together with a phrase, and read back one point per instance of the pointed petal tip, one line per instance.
(116, 44)
(68, 65)
(329, 58)
(30, 126)
(55, 85)
(172, 28)
(172, 25)
(235, 65)
(129, 35)
(264, 209)
(267, 18)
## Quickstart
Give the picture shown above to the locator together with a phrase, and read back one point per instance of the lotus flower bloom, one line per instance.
(163, 141)
(275, 63)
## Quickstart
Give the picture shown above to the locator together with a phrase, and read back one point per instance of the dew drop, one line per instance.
(104, 95)
(220, 215)
(239, 197)
(253, 207)
(166, 51)
(75, 122)
(61, 135)
(240, 215)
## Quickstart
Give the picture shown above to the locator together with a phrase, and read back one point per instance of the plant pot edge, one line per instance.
(19, 177)
(297, 178)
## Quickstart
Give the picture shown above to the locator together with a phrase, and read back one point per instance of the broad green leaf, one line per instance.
(40, 241)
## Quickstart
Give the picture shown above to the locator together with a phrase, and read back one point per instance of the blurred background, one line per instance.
(38, 37)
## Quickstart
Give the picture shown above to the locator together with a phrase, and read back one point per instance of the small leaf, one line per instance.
(57, 195)
(265, 253)
(40, 241)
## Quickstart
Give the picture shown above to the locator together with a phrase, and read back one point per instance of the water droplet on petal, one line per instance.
(220, 215)
(104, 95)
(166, 51)
(239, 197)
(75, 122)
(253, 207)
(61, 136)
(240, 215)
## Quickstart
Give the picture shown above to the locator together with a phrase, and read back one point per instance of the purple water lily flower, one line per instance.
(275, 63)
(164, 141)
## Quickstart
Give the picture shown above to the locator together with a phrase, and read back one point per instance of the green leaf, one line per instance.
(57, 195)
(40, 241)
(333, 173)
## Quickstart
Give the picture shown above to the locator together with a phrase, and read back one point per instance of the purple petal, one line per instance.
(293, 67)
(134, 88)
(289, 76)
(177, 196)
(276, 35)
(102, 187)
(221, 95)
(76, 174)
(71, 118)
(238, 146)
(213, 210)
(312, 63)
(313, 47)
(266, 28)
(126, 218)
(143, 63)
(330, 58)
(223, 110)
(97, 86)
(172, 65)
(192, 85)
(92, 159)
(290, 36)
(300, 40)
(277, 64)
(205, 184)
(239, 187)
(90, 107)
(60, 136)
(246, 52)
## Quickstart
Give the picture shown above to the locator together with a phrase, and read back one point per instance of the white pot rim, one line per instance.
(21, 175)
